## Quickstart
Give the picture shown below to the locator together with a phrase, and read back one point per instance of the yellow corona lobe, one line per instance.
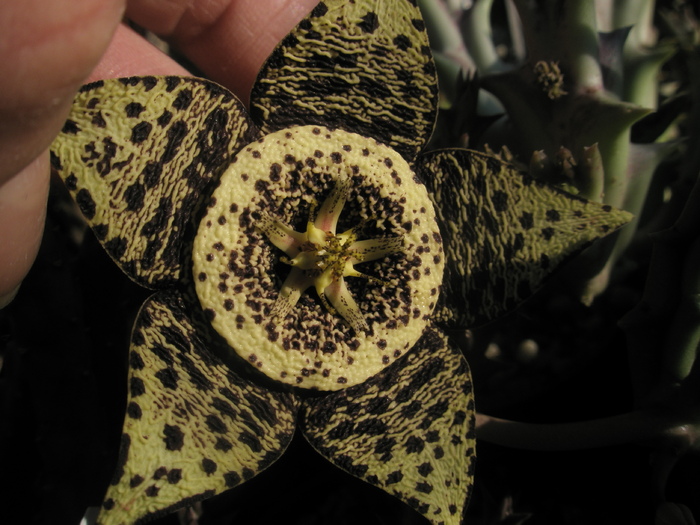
(298, 211)
(322, 259)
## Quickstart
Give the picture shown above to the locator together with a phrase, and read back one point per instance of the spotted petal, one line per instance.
(137, 154)
(503, 232)
(193, 427)
(408, 430)
(362, 66)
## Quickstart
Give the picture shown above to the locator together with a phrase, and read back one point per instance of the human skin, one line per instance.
(51, 48)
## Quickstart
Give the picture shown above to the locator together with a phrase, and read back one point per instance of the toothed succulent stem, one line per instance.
(580, 91)
(479, 39)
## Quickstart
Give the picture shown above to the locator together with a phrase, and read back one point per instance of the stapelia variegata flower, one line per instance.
(310, 246)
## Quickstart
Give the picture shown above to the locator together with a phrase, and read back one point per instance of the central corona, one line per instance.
(321, 258)
(322, 202)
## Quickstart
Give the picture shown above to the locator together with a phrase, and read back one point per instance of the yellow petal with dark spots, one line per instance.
(193, 427)
(138, 154)
(504, 232)
(362, 66)
(409, 430)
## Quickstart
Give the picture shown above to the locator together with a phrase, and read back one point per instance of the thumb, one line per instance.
(48, 49)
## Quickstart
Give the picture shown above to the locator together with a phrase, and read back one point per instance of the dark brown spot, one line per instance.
(133, 109)
(209, 466)
(222, 444)
(140, 132)
(232, 479)
(174, 476)
(174, 438)
(402, 42)
(553, 215)
(135, 481)
(275, 171)
(369, 23)
(133, 410)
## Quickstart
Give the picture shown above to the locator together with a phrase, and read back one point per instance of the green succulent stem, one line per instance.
(638, 14)
(476, 31)
(565, 32)
(684, 333)
(665, 360)
(671, 432)
(642, 67)
(444, 33)
(631, 427)
(592, 174)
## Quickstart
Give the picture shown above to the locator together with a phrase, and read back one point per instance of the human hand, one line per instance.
(50, 49)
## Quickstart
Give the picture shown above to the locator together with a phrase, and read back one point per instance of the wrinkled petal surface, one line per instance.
(138, 154)
(503, 232)
(362, 66)
(409, 430)
(193, 427)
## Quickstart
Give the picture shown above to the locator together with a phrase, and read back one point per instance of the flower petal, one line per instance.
(362, 66)
(138, 154)
(193, 427)
(408, 430)
(503, 232)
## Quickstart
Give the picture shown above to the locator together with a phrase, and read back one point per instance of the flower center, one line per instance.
(353, 222)
(321, 258)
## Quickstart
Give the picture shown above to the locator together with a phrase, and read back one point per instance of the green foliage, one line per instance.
(601, 99)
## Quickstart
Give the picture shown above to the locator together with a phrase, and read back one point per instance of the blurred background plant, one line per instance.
(601, 98)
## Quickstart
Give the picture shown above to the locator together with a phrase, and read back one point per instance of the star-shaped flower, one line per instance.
(234, 220)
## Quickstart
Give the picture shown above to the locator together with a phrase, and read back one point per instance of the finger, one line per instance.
(129, 54)
(227, 39)
(48, 50)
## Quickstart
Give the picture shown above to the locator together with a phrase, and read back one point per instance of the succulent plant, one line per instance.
(231, 218)
(578, 76)
(593, 100)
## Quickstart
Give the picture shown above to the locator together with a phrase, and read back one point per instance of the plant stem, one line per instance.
(476, 31)
(636, 426)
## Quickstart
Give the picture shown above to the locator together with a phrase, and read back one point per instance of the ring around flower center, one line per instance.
(298, 210)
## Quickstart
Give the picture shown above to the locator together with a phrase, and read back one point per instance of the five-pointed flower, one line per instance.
(302, 249)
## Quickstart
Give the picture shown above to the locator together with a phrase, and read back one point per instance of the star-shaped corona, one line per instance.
(322, 258)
